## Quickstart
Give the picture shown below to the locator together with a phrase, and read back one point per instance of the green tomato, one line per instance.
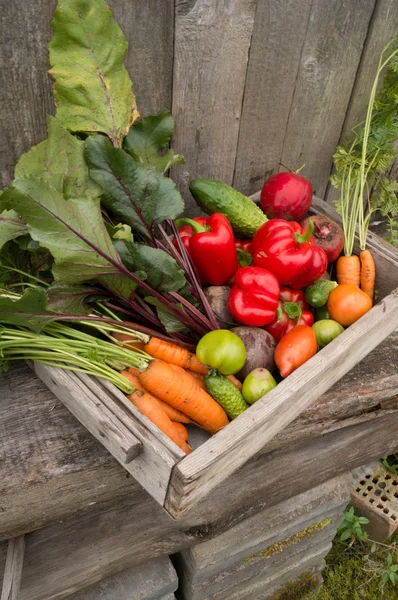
(321, 313)
(222, 350)
(258, 383)
(326, 331)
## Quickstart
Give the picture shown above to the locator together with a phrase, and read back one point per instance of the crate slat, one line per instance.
(13, 568)
(125, 432)
(90, 410)
(209, 465)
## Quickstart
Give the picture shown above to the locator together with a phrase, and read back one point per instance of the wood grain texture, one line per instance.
(25, 87)
(274, 61)
(148, 26)
(383, 27)
(91, 412)
(212, 42)
(82, 551)
(53, 469)
(198, 474)
(155, 455)
(332, 50)
(13, 568)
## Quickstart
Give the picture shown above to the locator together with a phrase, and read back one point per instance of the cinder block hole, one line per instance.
(368, 476)
(370, 488)
(394, 518)
(362, 482)
(384, 498)
(365, 494)
(375, 480)
(358, 489)
(371, 500)
(395, 482)
(377, 492)
(396, 495)
(385, 511)
(382, 485)
(387, 477)
(379, 505)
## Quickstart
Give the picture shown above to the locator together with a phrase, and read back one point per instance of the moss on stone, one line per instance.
(279, 547)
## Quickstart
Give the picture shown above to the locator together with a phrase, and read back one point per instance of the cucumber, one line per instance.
(226, 394)
(216, 197)
(317, 294)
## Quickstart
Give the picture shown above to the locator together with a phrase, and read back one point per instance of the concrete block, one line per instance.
(263, 529)
(156, 580)
(265, 570)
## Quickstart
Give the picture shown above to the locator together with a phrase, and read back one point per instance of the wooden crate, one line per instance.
(178, 482)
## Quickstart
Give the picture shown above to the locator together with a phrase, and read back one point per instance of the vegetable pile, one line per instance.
(100, 271)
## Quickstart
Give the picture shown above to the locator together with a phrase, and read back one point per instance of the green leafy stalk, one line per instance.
(368, 155)
(66, 347)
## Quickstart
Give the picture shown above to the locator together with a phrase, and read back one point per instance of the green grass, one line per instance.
(346, 576)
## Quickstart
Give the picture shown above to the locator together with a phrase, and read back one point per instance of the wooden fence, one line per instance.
(251, 83)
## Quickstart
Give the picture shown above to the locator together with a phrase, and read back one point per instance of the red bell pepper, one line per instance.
(253, 299)
(245, 245)
(244, 248)
(289, 252)
(211, 247)
(292, 310)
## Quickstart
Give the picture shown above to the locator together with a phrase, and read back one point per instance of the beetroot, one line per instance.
(286, 196)
(327, 234)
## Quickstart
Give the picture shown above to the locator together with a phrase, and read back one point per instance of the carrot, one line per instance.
(149, 407)
(171, 353)
(180, 390)
(134, 371)
(348, 270)
(368, 273)
(182, 430)
(235, 381)
(198, 378)
(134, 344)
(172, 413)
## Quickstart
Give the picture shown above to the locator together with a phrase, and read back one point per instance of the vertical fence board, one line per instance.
(149, 28)
(332, 51)
(25, 88)
(212, 41)
(272, 71)
(383, 27)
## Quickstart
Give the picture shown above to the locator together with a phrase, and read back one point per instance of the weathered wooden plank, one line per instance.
(51, 466)
(53, 469)
(149, 28)
(331, 54)
(25, 89)
(274, 61)
(153, 462)
(82, 551)
(92, 412)
(212, 42)
(13, 568)
(198, 474)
